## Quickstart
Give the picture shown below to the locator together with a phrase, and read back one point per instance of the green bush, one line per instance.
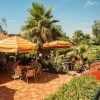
(93, 53)
(64, 51)
(78, 65)
(58, 64)
(79, 88)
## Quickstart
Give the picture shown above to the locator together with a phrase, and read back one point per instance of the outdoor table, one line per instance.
(28, 67)
(25, 68)
(70, 64)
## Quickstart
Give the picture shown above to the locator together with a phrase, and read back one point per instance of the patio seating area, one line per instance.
(49, 50)
(21, 90)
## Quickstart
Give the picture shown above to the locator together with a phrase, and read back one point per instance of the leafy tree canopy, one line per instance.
(96, 31)
(3, 25)
(80, 38)
(40, 26)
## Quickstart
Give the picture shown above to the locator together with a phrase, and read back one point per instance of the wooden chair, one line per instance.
(31, 73)
(39, 71)
(18, 74)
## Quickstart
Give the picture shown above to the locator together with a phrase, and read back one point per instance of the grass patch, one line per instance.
(79, 88)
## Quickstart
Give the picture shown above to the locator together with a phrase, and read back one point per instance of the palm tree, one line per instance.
(40, 27)
(3, 25)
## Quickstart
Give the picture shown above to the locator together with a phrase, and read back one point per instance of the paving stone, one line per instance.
(20, 90)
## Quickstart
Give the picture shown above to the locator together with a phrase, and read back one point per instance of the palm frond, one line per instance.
(46, 34)
(56, 32)
(40, 26)
(48, 13)
(54, 21)
(37, 10)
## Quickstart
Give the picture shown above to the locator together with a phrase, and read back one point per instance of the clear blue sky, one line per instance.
(72, 14)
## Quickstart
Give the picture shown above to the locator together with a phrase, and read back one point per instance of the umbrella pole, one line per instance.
(24, 59)
(15, 56)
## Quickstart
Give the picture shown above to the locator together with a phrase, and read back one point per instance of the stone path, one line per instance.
(20, 90)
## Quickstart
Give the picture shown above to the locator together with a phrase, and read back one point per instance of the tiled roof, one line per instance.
(2, 36)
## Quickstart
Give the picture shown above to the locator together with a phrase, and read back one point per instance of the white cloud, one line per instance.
(90, 3)
(10, 20)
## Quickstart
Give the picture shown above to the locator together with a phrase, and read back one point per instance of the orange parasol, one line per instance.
(16, 44)
(56, 44)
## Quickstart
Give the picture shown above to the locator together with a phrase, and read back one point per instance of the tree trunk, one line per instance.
(41, 50)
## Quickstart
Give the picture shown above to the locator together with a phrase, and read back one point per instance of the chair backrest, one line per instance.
(30, 73)
(34, 70)
(39, 69)
(18, 71)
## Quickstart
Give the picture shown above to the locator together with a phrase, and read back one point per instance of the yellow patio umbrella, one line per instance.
(56, 44)
(16, 44)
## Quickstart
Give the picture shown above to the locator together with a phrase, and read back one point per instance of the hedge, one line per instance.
(79, 88)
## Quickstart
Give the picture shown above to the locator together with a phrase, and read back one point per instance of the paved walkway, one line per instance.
(20, 90)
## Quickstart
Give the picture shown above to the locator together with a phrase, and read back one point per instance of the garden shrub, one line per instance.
(64, 51)
(58, 64)
(93, 53)
(78, 65)
(79, 88)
